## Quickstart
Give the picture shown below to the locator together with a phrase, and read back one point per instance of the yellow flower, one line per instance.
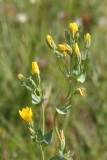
(73, 28)
(87, 40)
(64, 48)
(35, 68)
(77, 53)
(76, 49)
(26, 114)
(81, 91)
(20, 76)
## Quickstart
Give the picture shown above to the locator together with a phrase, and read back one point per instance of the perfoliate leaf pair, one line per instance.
(46, 139)
(63, 110)
(60, 156)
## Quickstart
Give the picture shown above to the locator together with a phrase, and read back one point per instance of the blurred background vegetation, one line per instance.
(24, 25)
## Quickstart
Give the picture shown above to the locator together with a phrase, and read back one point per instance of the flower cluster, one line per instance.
(75, 71)
(77, 66)
(33, 84)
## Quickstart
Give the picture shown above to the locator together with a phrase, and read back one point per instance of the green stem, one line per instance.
(66, 124)
(79, 70)
(65, 66)
(43, 120)
(86, 52)
(66, 98)
(56, 130)
(71, 63)
(43, 128)
(42, 152)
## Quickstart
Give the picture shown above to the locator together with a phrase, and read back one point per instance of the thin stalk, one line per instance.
(66, 124)
(79, 70)
(71, 63)
(56, 130)
(67, 104)
(42, 152)
(43, 128)
(43, 120)
(66, 98)
(65, 65)
(86, 53)
(72, 57)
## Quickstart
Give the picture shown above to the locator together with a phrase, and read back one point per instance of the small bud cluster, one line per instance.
(33, 84)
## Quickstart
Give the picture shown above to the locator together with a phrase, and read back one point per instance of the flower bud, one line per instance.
(77, 54)
(65, 48)
(87, 40)
(35, 68)
(62, 135)
(62, 140)
(50, 42)
(73, 28)
(20, 76)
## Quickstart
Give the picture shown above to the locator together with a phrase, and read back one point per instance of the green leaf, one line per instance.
(82, 77)
(60, 156)
(47, 139)
(39, 137)
(63, 110)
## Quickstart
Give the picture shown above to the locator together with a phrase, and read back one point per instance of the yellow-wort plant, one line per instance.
(74, 71)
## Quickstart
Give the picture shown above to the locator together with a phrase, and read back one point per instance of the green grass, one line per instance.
(22, 43)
